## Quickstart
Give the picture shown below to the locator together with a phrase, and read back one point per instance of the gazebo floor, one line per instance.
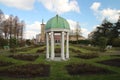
(57, 59)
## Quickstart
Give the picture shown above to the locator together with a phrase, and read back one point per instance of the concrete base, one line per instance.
(57, 59)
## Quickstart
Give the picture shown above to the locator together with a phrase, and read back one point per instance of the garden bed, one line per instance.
(85, 69)
(112, 62)
(57, 52)
(75, 50)
(27, 71)
(28, 57)
(115, 55)
(2, 63)
(39, 51)
(87, 55)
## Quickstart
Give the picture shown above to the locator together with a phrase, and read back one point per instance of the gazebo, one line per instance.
(54, 26)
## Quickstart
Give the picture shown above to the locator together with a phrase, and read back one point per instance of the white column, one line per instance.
(47, 45)
(67, 45)
(62, 47)
(52, 46)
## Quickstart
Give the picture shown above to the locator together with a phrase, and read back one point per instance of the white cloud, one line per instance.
(94, 27)
(85, 32)
(20, 4)
(6, 16)
(73, 24)
(61, 6)
(111, 14)
(30, 34)
(95, 6)
(32, 30)
(34, 27)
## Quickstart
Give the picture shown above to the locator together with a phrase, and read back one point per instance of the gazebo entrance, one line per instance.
(52, 51)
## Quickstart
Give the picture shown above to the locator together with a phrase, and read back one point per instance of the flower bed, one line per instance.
(27, 71)
(27, 57)
(75, 51)
(2, 63)
(85, 69)
(112, 62)
(39, 51)
(87, 55)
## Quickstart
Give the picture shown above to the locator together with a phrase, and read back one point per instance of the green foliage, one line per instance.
(84, 42)
(92, 48)
(21, 43)
(28, 42)
(116, 42)
(102, 43)
(108, 30)
(13, 44)
(3, 42)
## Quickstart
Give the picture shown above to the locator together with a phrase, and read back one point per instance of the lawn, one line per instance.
(58, 70)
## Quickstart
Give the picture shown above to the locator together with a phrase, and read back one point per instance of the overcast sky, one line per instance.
(89, 13)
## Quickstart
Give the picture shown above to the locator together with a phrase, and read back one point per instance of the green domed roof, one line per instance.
(57, 22)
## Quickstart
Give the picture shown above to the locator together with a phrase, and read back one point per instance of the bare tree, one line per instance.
(22, 27)
(1, 21)
(5, 28)
(12, 28)
(1, 16)
(15, 26)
